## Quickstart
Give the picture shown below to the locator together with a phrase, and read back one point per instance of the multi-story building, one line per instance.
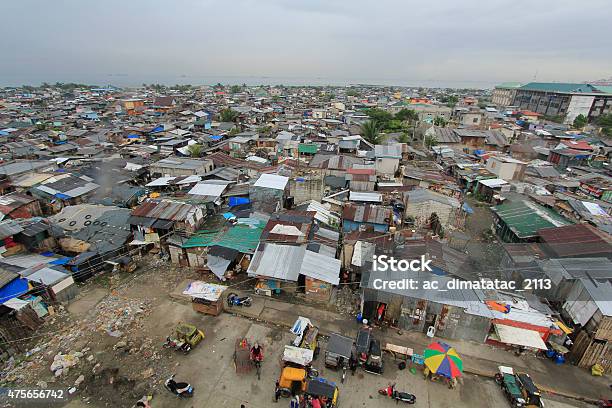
(564, 99)
(503, 94)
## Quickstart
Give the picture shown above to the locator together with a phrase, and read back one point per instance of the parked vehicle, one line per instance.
(374, 361)
(299, 358)
(362, 344)
(186, 336)
(507, 381)
(180, 389)
(325, 391)
(234, 300)
(292, 381)
(307, 335)
(531, 393)
(392, 393)
(338, 353)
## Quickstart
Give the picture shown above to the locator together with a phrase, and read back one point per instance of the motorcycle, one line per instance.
(177, 345)
(180, 389)
(234, 300)
(391, 392)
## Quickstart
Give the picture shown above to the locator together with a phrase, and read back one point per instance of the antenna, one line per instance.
(535, 75)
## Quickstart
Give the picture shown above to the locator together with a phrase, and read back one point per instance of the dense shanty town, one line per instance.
(208, 219)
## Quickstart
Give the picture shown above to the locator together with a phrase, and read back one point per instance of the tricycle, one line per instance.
(325, 391)
(362, 344)
(186, 337)
(531, 393)
(307, 335)
(299, 358)
(338, 353)
(507, 381)
(246, 357)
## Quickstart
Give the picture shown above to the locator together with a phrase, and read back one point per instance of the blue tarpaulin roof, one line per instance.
(133, 136)
(228, 215)
(216, 137)
(157, 129)
(13, 289)
(234, 201)
(62, 196)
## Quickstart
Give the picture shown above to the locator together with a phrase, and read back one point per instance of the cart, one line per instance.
(299, 358)
(307, 335)
(242, 356)
(362, 343)
(338, 353)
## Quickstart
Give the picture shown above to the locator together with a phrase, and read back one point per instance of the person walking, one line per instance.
(277, 391)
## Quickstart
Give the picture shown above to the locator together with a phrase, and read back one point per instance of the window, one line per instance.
(475, 120)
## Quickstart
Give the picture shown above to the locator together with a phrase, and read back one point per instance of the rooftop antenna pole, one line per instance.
(535, 75)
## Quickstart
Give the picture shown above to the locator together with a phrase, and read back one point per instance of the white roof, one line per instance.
(492, 183)
(361, 196)
(272, 181)
(190, 179)
(162, 181)
(206, 189)
(519, 337)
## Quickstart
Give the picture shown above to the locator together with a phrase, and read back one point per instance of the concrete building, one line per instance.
(565, 99)
(506, 168)
(504, 94)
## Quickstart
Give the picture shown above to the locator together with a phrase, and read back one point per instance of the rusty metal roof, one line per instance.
(375, 214)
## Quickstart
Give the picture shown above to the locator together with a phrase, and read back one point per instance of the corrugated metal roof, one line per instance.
(365, 196)
(9, 228)
(208, 189)
(370, 213)
(526, 218)
(575, 240)
(272, 181)
(321, 267)
(277, 261)
(243, 237)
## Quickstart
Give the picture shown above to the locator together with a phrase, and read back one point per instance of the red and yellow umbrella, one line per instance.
(442, 359)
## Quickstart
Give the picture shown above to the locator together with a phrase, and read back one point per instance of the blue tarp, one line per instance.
(234, 201)
(62, 196)
(157, 129)
(61, 261)
(228, 215)
(133, 136)
(467, 208)
(479, 152)
(13, 289)
(216, 137)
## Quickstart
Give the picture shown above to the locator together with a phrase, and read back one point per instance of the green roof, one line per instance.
(243, 237)
(604, 88)
(559, 87)
(524, 218)
(308, 148)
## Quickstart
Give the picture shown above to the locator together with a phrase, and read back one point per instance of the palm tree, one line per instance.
(371, 133)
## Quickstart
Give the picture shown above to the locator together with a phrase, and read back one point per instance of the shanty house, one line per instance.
(269, 192)
(361, 217)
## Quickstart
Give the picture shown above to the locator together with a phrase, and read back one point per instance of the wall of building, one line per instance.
(386, 165)
(304, 190)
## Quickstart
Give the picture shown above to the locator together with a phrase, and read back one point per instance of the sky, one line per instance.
(403, 42)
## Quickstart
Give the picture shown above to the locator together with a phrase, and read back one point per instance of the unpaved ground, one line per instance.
(139, 311)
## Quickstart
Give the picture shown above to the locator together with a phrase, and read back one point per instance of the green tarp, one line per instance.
(243, 237)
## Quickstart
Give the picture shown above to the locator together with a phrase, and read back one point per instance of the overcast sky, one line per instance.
(295, 41)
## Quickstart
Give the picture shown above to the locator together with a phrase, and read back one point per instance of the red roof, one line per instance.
(577, 144)
(576, 240)
(530, 113)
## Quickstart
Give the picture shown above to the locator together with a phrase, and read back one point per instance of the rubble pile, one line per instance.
(347, 301)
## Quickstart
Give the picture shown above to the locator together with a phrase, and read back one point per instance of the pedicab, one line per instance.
(374, 361)
(186, 337)
(325, 391)
(531, 393)
(362, 344)
(292, 381)
(507, 381)
(338, 353)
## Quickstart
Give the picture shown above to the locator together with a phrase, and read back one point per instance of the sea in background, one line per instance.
(129, 80)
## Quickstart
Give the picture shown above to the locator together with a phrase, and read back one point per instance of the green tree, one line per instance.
(235, 89)
(195, 150)
(218, 86)
(430, 141)
(380, 116)
(440, 121)
(404, 138)
(352, 92)
(228, 115)
(580, 122)
(370, 131)
(452, 101)
(407, 115)
(605, 121)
